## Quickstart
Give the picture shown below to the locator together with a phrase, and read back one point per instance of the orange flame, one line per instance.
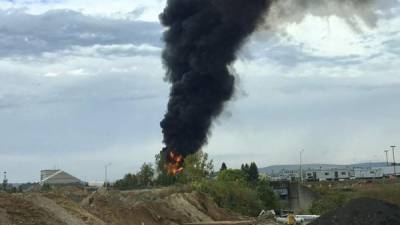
(175, 163)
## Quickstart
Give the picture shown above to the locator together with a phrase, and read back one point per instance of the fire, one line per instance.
(174, 163)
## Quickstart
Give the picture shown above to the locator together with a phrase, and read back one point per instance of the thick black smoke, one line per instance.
(202, 39)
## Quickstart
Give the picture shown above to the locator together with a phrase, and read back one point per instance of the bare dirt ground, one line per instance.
(15, 209)
(362, 211)
(160, 206)
(77, 207)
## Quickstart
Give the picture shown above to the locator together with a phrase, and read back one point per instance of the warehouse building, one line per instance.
(333, 174)
(343, 174)
(58, 177)
(368, 173)
(327, 174)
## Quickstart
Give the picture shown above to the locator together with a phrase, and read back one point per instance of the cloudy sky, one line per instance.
(82, 86)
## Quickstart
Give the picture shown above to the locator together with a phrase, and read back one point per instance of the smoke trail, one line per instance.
(201, 41)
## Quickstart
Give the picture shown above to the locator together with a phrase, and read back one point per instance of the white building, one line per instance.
(285, 175)
(370, 173)
(335, 174)
(58, 177)
(327, 174)
(343, 174)
(389, 170)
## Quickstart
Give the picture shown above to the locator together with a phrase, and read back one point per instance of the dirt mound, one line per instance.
(167, 206)
(362, 211)
(55, 209)
(69, 203)
(154, 207)
(14, 209)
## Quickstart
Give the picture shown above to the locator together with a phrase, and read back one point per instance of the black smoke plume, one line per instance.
(202, 39)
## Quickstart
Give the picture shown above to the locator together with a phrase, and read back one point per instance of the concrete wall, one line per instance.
(300, 197)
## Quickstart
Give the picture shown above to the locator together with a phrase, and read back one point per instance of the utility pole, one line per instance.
(5, 181)
(301, 166)
(106, 173)
(394, 160)
(387, 159)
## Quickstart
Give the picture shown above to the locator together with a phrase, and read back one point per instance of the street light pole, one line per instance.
(105, 173)
(394, 160)
(5, 181)
(301, 167)
(387, 159)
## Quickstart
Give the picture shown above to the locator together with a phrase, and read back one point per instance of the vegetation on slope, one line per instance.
(240, 190)
(335, 194)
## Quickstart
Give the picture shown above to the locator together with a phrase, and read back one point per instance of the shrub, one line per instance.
(233, 195)
(267, 195)
(329, 199)
(232, 190)
(130, 181)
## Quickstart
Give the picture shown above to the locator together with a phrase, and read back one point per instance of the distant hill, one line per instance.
(277, 168)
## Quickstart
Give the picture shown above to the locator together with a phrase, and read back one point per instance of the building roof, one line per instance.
(58, 177)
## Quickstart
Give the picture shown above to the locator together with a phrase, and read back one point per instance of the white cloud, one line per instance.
(329, 37)
(333, 119)
(56, 30)
(122, 9)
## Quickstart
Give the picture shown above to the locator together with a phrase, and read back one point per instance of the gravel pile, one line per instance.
(362, 211)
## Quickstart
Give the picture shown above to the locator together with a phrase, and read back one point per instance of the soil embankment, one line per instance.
(142, 207)
(16, 209)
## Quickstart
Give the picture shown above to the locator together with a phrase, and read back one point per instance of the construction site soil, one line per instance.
(362, 211)
(75, 206)
(167, 206)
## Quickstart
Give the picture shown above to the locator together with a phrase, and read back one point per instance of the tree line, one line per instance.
(241, 190)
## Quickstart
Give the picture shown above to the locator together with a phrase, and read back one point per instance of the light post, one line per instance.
(105, 173)
(301, 167)
(394, 160)
(387, 158)
(5, 181)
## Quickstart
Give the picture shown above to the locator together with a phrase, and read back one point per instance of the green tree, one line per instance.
(163, 178)
(223, 167)
(267, 195)
(245, 168)
(234, 195)
(253, 173)
(196, 167)
(130, 181)
(146, 175)
(232, 175)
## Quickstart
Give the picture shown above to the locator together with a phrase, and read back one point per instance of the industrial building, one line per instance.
(343, 174)
(390, 170)
(368, 173)
(285, 175)
(327, 174)
(58, 177)
(334, 174)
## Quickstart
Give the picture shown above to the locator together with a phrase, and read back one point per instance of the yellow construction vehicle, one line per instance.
(291, 219)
